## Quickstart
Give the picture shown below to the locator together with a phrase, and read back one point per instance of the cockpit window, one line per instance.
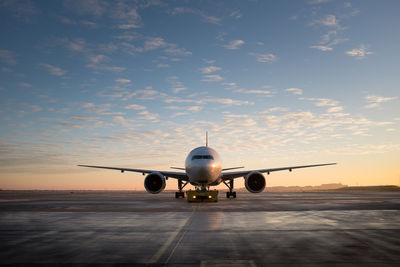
(202, 157)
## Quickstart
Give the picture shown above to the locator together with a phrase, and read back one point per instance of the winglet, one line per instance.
(206, 138)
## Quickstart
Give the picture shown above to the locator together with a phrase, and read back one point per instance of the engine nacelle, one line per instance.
(154, 183)
(254, 182)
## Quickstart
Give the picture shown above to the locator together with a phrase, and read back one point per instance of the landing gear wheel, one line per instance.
(179, 194)
(230, 194)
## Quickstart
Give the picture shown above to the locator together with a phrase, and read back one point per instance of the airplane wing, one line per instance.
(176, 175)
(238, 174)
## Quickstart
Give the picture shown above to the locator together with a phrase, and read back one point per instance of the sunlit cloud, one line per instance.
(264, 58)
(97, 59)
(135, 107)
(77, 45)
(322, 102)
(212, 78)
(234, 45)
(295, 91)
(322, 47)
(328, 20)
(121, 120)
(359, 53)
(145, 115)
(335, 109)
(226, 101)
(122, 80)
(376, 101)
(177, 85)
(210, 69)
(205, 17)
(54, 70)
(259, 92)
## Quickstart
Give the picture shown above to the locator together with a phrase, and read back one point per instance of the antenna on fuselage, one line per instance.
(206, 139)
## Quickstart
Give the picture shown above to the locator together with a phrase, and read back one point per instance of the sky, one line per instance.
(138, 83)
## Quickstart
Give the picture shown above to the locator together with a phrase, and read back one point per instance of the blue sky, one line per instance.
(137, 83)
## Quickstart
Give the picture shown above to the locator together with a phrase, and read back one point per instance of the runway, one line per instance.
(122, 228)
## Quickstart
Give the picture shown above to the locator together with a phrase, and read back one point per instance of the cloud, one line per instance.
(194, 108)
(104, 67)
(359, 53)
(77, 45)
(177, 86)
(34, 108)
(261, 92)
(335, 109)
(322, 102)
(322, 47)
(153, 43)
(236, 14)
(174, 50)
(24, 84)
(227, 101)
(295, 91)
(8, 57)
(375, 101)
(87, 105)
(162, 65)
(314, 2)
(234, 45)
(145, 115)
(97, 59)
(121, 120)
(328, 20)
(57, 71)
(129, 26)
(264, 58)
(23, 10)
(184, 10)
(210, 69)
(135, 107)
(83, 118)
(122, 80)
(212, 78)
(87, 7)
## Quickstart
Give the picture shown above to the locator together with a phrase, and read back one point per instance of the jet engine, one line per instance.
(154, 183)
(254, 182)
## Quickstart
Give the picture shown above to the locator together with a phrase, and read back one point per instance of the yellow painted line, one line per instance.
(172, 237)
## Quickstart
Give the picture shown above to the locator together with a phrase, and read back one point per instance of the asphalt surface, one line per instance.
(122, 228)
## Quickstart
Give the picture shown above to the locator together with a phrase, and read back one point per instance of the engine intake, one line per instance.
(154, 183)
(255, 182)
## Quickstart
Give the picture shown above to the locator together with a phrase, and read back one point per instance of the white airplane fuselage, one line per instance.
(203, 166)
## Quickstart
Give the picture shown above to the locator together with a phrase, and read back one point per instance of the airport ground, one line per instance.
(126, 228)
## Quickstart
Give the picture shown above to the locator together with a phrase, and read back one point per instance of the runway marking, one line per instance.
(172, 237)
(226, 262)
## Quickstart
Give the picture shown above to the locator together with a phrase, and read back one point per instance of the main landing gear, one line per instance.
(181, 185)
(230, 186)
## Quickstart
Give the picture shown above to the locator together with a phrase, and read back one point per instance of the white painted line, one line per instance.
(172, 237)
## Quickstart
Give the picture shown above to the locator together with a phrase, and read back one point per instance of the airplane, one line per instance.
(203, 168)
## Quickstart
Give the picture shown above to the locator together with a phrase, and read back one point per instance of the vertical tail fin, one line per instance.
(206, 139)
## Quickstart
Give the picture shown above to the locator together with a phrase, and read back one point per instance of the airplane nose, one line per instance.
(204, 173)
